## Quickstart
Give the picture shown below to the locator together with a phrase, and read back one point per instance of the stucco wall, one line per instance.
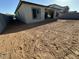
(25, 13)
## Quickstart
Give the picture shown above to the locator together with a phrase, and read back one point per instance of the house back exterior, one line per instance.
(28, 12)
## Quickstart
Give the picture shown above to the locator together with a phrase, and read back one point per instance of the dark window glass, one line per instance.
(35, 12)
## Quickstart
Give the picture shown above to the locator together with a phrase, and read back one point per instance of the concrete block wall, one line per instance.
(3, 22)
(70, 16)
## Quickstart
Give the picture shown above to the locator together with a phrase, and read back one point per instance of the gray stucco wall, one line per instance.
(3, 22)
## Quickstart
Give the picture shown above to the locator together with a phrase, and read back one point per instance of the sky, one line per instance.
(9, 6)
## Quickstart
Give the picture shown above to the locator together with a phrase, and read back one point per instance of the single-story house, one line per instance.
(28, 12)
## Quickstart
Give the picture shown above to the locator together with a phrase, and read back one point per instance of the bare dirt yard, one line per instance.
(55, 40)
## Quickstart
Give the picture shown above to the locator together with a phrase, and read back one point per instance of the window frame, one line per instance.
(37, 12)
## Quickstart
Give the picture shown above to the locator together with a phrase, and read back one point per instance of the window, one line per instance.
(36, 12)
(57, 14)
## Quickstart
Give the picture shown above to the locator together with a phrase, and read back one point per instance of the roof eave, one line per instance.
(20, 3)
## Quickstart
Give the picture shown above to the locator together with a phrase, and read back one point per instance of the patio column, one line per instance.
(55, 14)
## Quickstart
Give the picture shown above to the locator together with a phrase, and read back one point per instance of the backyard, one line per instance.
(54, 40)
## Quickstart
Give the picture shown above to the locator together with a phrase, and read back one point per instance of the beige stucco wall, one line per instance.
(25, 13)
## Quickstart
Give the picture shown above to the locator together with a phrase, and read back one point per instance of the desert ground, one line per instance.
(55, 40)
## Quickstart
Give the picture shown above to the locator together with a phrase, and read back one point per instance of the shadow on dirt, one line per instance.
(17, 26)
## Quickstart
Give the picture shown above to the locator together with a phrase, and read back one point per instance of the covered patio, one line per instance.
(50, 13)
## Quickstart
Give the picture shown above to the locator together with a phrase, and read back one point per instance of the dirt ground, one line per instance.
(55, 40)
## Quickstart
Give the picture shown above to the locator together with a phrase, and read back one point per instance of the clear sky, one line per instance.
(9, 6)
